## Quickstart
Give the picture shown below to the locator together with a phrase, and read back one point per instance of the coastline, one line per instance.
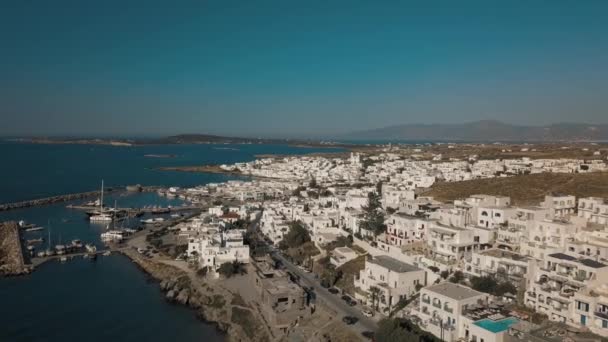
(210, 301)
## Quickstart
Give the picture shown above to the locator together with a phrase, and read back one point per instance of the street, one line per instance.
(332, 301)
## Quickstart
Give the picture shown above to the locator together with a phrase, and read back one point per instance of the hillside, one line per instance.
(487, 130)
(526, 189)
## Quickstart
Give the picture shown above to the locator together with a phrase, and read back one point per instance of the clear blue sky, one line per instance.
(297, 67)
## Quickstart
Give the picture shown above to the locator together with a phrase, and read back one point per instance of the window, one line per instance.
(604, 324)
(582, 307)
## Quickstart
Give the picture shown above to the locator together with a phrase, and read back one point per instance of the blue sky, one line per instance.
(297, 68)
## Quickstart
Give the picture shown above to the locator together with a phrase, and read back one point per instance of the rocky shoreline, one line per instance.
(212, 303)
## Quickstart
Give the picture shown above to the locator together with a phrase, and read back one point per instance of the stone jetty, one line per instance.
(12, 260)
(70, 197)
(47, 200)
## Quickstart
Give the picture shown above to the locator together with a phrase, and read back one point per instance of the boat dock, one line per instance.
(139, 210)
(37, 261)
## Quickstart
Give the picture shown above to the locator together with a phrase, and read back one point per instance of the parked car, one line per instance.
(346, 298)
(333, 290)
(350, 320)
(352, 302)
(368, 334)
(367, 312)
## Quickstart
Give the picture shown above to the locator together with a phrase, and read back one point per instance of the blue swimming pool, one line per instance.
(496, 326)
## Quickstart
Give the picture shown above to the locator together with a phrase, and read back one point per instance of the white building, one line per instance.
(441, 307)
(395, 280)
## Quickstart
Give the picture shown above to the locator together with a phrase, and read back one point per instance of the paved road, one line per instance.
(332, 301)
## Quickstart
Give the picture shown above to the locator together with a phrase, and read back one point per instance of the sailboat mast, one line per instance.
(49, 234)
(101, 198)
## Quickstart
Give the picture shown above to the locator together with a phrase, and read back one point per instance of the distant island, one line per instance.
(183, 139)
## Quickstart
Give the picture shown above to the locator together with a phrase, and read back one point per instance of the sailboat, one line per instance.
(101, 216)
(113, 235)
(50, 251)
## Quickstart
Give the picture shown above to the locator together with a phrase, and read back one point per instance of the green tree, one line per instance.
(484, 284)
(297, 236)
(229, 269)
(373, 217)
(401, 330)
(457, 277)
(374, 295)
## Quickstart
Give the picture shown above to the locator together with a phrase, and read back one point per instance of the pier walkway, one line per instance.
(37, 261)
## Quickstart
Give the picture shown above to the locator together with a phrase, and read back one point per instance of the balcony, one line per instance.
(426, 300)
(437, 305)
(448, 309)
(601, 314)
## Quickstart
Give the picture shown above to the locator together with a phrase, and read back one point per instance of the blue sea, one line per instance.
(107, 300)
(36, 170)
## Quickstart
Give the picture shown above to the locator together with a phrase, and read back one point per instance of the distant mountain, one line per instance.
(486, 130)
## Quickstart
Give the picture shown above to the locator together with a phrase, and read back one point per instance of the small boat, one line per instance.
(33, 241)
(33, 229)
(60, 249)
(63, 259)
(101, 217)
(107, 253)
(90, 248)
(112, 236)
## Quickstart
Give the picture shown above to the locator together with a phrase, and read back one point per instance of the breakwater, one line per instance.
(12, 260)
(66, 198)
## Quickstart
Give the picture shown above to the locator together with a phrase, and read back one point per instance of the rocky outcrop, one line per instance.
(211, 302)
(183, 297)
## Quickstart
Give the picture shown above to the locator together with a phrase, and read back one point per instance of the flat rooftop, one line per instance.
(587, 262)
(454, 291)
(501, 253)
(393, 264)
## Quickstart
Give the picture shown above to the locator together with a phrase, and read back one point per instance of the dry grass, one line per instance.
(526, 189)
(303, 252)
(349, 270)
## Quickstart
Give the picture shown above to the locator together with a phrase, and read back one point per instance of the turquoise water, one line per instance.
(109, 300)
(496, 326)
(35, 170)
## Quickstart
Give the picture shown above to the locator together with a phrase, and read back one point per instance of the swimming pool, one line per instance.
(496, 326)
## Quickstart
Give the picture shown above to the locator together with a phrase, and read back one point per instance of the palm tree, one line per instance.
(374, 294)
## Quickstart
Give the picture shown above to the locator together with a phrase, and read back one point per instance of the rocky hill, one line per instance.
(487, 131)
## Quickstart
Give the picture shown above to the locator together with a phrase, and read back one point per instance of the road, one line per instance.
(334, 302)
